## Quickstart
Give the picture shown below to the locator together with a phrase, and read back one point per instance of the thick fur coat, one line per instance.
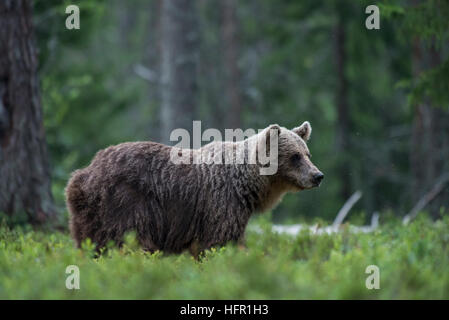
(172, 207)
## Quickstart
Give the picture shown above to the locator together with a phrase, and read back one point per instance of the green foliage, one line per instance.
(411, 260)
(432, 84)
(424, 24)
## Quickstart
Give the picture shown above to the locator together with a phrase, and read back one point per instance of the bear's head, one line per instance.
(295, 168)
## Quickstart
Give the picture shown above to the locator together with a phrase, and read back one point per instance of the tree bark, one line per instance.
(178, 65)
(231, 70)
(428, 150)
(24, 171)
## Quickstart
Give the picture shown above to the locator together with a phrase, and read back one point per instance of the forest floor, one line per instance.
(412, 262)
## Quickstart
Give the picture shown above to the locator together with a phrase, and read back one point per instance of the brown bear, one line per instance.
(136, 186)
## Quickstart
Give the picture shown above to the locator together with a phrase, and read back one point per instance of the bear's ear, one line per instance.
(304, 130)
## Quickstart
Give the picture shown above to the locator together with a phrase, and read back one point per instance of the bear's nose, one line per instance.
(317, 178)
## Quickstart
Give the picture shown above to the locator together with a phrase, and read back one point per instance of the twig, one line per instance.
(428, 197)
(145, 73)
(346, 208)
(375, 220)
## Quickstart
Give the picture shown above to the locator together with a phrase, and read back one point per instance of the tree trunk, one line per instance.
(342, 126)
(231, 70)
(178, 45)
(428, 150)
(24, 171)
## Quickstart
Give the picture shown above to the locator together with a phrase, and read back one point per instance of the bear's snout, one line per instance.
(317, 178)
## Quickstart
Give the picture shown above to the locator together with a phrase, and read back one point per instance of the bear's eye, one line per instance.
(296, 158)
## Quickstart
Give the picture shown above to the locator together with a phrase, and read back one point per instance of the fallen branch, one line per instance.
(426, 199)
(295, 229)
(345, 209)
(373, 226)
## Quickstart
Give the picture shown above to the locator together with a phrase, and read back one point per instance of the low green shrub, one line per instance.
(412, 261)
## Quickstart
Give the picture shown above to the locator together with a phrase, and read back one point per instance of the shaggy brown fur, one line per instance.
(172, 207)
